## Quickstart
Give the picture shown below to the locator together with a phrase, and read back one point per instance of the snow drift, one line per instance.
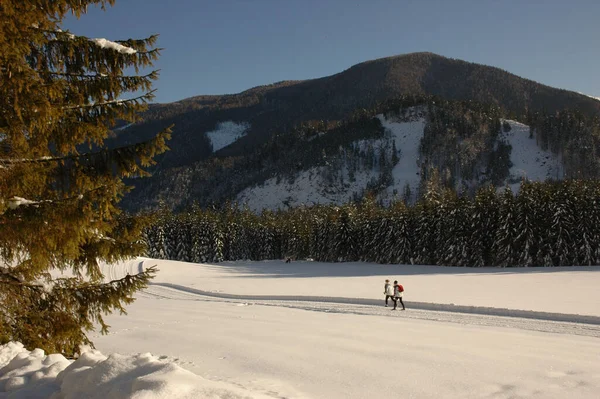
(32, 374)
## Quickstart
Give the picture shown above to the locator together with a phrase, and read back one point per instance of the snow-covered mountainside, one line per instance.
(528, 160)
(341, 180)
(407, 137)
(226, 133)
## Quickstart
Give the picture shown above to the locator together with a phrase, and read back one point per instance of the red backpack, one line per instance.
(400, 288)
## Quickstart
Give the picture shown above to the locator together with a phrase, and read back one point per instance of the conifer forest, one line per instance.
(544, 224)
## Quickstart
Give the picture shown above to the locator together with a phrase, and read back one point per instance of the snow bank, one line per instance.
(32, 374)
(227, 133)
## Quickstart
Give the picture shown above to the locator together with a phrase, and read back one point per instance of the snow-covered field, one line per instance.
(226, 133)
(316, 330)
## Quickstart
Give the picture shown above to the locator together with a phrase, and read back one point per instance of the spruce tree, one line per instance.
(526, 212)
(562, 225)
(457, 245)
(583, 230)
(504, 247)
(345, 245)
(215, 240)
(399, 234)
(379, 249)
(483, 226)
(183, 244)
(59, 185)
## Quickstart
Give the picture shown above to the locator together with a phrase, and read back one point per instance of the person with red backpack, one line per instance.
(398, 290)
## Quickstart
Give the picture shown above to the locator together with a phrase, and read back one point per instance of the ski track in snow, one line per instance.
(467, 315)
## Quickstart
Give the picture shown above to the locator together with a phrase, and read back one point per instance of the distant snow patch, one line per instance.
(123, 127)
(407, 136)
(529, 161)
(226, 133)
(317, 186)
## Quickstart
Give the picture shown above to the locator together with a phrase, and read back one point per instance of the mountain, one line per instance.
(241, 125)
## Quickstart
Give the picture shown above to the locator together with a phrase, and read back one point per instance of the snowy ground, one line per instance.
(292, 342)
(559, 290)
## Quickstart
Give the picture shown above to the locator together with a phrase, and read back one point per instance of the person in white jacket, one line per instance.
(398, 290)
(388, 291)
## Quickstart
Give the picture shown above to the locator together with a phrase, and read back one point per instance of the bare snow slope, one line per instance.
(529, 161)
(316, 186)
(407, 136)
(312, 187)
(226, 133)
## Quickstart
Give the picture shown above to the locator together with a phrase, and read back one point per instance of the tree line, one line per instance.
(544, 224)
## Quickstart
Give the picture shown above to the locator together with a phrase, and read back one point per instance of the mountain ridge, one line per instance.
(431, 58)
(279, 108)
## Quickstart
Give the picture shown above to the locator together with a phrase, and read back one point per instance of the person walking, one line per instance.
(388, 291)
(398, 290)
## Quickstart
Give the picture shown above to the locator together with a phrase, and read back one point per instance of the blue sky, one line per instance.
(227, 46)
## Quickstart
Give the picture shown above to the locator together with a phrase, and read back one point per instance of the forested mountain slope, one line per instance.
(243, 127)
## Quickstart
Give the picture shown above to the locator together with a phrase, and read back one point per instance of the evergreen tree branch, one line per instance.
(152, 75)
(94, 157)
(146, 97)
(128, 46)
(16, 202)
